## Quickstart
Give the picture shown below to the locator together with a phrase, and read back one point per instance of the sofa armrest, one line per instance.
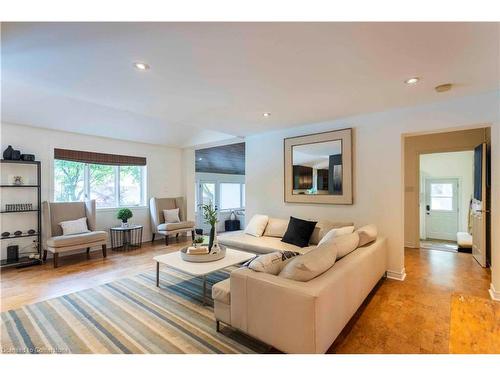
(278, 311)
(90, 211)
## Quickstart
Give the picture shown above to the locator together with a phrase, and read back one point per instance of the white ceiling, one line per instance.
(212, 81)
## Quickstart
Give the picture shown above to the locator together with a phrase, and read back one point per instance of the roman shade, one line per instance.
(97, 157)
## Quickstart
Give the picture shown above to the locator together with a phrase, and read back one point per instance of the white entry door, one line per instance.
(441, 199)
(479, 206)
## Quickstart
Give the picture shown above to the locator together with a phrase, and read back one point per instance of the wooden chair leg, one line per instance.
(44, 257)
(104, 250)
(166, 239)
(177, 237)
(217, 326)
(153, 238)
(88, 252)
(56, 258)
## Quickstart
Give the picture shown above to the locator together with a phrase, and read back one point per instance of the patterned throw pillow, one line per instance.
(271, 263)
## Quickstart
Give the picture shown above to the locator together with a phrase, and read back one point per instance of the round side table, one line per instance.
(126, 238)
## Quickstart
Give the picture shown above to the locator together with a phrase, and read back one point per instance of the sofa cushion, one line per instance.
(171, 216)
(222, 292)
(323, 227)
(367, 234)
(261, 245)
(308, 266)
(346, 244)
(276, 227)
(74, 226)
(299, 232)
(257, 225)
(271, 263)
(77, 239)
(165, 227)
(337, 232)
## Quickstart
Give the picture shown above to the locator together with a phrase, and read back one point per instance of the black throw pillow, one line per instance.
(299, 232)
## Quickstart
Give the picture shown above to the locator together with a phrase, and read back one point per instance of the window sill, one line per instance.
(114, 209)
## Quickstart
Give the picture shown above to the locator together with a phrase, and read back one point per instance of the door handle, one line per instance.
(484, 211)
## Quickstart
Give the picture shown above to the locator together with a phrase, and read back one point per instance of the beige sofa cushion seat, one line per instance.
(221, 292)
(167, 227)
(77, 239)
(261, 245)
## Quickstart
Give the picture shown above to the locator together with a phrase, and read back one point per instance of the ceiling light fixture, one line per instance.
(266, 114)
(444, 87)
(141, 66)
(412, 81)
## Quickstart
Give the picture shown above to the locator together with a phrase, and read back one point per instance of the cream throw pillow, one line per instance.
(323, 227)
(337, 232)
(257, 225)
(367, 234)
(74, 226)
(312, 264)
(171, 216)
(276, 227)
(271, 263)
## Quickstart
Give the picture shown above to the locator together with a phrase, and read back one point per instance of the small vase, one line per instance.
(124, 224)
(7, 154)
(213, 245)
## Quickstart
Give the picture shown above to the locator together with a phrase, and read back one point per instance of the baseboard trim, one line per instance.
(494, 294)
(412, 245)
(394, 275)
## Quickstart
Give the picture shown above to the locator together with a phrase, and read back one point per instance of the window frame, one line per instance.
(116, 171)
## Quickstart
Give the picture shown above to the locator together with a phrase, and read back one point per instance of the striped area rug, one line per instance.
(130, 315)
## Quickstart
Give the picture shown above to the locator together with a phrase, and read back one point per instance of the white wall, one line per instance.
(449, 165)
(164, 168)
(378, 167)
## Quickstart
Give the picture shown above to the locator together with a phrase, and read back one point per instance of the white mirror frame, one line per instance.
(345, 135)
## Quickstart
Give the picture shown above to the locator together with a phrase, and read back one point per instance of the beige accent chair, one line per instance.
(158, 225)
(295, 316)
(56, 243)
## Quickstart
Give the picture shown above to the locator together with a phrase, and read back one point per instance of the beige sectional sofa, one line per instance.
(294, 316)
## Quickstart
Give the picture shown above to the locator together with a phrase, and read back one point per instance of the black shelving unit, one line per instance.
(26, 261)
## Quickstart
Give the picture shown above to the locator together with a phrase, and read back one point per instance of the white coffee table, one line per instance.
(175, 261)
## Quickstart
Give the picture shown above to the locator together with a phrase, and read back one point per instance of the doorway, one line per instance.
(446, 188)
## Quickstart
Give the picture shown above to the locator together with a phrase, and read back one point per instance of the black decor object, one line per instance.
(16, 155)
(28, 157)
(31, 231)
(199, 231)
(12, 253)
(5, 234)
(299, 232)
(18, 233)
(231, 225)
(211, 238)
(7, 154)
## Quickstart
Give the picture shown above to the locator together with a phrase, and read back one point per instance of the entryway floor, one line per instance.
(439, 245)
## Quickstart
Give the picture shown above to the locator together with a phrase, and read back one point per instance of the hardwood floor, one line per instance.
(443, 305)
(33, 284)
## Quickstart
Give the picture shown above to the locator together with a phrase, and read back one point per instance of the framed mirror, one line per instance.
(318, 168)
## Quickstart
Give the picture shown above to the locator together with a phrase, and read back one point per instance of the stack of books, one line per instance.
(202, 250)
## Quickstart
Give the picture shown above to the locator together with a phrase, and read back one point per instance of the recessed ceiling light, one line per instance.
(141, 66)
(444, 87)
(266, 114)
(412, 81)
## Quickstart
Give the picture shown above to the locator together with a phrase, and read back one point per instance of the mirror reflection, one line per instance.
(317, 168)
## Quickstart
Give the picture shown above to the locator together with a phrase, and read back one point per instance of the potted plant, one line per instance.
(124, 214)
(210, 216)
